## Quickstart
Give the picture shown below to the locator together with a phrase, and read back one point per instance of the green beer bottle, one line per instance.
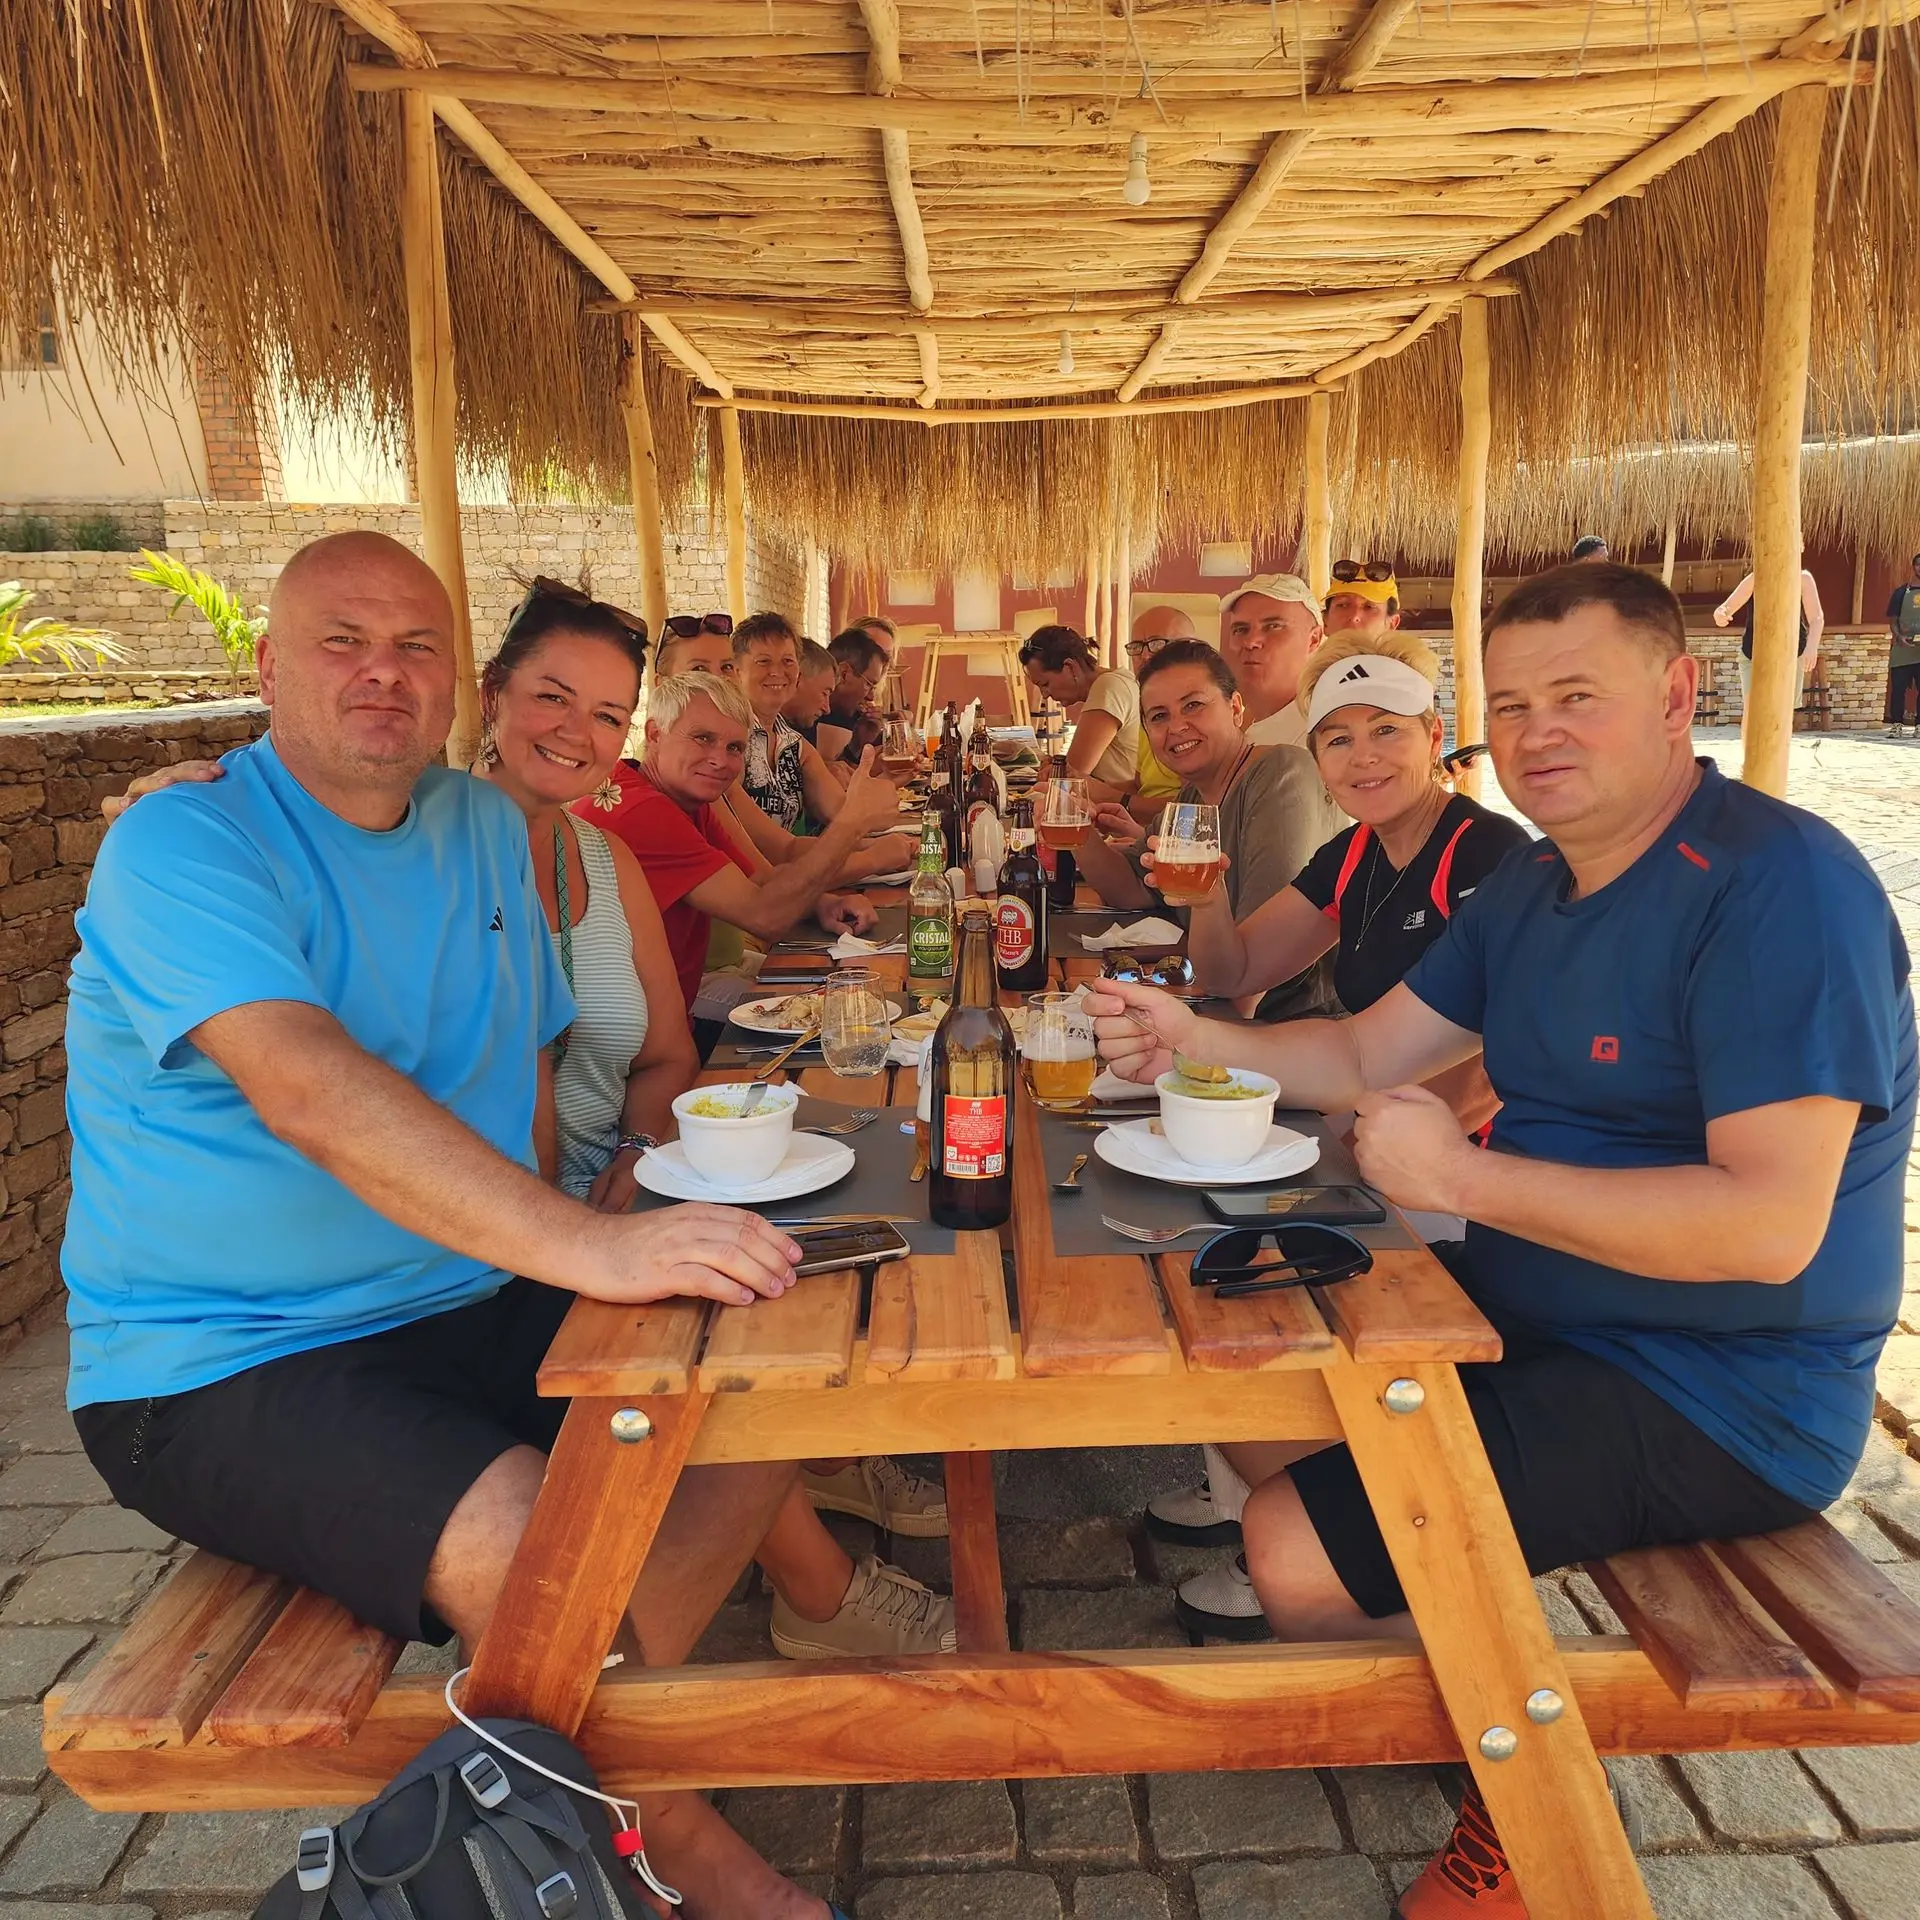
(930, 907)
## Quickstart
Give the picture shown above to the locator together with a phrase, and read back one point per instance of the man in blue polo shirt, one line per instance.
(1693, 1002)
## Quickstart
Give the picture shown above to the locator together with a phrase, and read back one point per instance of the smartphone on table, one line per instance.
(854, 1243)
(1325, 1206)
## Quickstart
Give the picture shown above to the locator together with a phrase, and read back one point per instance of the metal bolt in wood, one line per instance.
(1499, 1743)
(1404, 1396)
(1544, 1706)
(629, 1425)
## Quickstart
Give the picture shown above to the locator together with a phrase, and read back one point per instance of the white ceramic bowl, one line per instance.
(736, 1153)
(1217, 1133)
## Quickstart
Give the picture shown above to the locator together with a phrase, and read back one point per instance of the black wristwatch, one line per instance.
(639, 1142)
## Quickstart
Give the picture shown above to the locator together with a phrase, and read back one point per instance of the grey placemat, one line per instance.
(1066, 931)
(1155, 1203)
(878, 1183)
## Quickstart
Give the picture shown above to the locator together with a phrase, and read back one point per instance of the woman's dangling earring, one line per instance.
(488, 752)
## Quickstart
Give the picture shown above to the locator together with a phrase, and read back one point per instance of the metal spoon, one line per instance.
(1071, 1184)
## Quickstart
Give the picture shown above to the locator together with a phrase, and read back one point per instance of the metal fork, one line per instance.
(1156, 1236)
(858, 1118)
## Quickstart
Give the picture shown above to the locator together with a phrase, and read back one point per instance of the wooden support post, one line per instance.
(1859, 585)
(423, 252)
(734, 490)
(1090, 612)
(1123, 593)
(1316, 523)
(1469, 554)
(1666, 552)
(1779, 423)
(815, 594)
(649, 531)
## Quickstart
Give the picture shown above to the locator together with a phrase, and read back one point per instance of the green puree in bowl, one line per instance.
(1214, 1089)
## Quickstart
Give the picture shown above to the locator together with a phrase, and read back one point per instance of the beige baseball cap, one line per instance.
(1276, 586)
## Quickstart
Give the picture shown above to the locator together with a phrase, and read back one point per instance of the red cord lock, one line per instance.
(629, 1841)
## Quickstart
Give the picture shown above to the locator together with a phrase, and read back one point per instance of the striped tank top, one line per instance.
(610, 1024)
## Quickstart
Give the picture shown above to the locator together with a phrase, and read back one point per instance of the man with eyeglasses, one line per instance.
(1365, 597)
(1151, 631)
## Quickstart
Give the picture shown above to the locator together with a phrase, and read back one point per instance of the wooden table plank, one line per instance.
(309, 1683)
(1093, 1313)
(1281, 1329)
(973, 1536)
(942, 1317)
(1408, 1309)
(1708, 1637)
(1453, 1547)
(1861, 1629)
(803, 1339)
(156, 1684)
(604, 1348)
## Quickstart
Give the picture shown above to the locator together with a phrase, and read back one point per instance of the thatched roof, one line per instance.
(893, 211)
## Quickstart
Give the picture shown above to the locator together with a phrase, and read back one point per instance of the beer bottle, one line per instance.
(970, 1174)
(1020, 918)
(946, 803)
(983, 788)
(930, 908)
(1064, 876)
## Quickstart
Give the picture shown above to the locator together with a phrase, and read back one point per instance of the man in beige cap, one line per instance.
(1267, 629)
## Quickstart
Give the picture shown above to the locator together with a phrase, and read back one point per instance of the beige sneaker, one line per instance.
(883, 1491)
(885, 1612)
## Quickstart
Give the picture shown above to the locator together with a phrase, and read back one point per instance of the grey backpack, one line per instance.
(465, 1832)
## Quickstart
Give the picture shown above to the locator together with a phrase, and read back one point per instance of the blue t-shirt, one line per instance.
(197, 1244)
(1748, 957)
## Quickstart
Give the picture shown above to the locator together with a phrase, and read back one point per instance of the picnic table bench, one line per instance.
(230, 1689)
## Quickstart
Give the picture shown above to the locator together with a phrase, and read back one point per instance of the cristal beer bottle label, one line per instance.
(974, 1138)
(1012, 932)
(930, 947)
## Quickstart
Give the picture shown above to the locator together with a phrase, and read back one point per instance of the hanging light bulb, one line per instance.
(1138, 189)
(1066, 351)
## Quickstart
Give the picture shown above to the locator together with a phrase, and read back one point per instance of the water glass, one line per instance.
(856, 1023)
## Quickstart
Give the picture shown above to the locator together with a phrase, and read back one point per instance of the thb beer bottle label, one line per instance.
(973, 1141)
(1012, 932)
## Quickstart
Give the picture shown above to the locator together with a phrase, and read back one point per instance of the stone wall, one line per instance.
(93, 590)
(123, 686)
(143, 523)
(53, 776)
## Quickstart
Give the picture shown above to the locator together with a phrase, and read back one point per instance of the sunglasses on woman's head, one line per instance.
(1309, 1255)
(683, 626)
(544, 588)
(1375, 570)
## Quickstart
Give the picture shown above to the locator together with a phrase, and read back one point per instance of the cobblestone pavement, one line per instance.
(1727, 1837)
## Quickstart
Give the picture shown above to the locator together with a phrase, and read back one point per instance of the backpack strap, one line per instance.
(1356, 851)
(1443, 872)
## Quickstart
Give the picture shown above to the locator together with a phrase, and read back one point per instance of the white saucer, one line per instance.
(811, 1163)
(1135, 1148)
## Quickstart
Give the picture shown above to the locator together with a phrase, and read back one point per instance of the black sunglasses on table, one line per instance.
(1310, 1255)
(683, 626)
(1375, 570)
(546, 588)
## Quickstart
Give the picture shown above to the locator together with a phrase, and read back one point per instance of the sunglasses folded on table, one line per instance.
(1308, 1255)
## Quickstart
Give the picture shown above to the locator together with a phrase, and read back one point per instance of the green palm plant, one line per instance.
(37, 641)
(237, 630)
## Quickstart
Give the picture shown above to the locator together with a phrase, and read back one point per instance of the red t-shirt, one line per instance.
(677, 850)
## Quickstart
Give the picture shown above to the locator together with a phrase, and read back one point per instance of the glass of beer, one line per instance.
(1186, 862)
(899, 747)
(856, 1023)
(1065, 815)
(1058, 1049)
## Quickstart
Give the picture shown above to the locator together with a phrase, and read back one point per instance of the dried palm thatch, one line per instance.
(199, 169)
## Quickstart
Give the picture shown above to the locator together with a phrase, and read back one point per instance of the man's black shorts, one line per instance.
(340, 1467)
(1588, 1460)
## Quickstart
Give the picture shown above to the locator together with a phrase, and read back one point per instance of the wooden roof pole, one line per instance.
(1667, 546)
(1358, 57)
(379, 22)
(733, 481)
(1090, 611)
(1786, 328)
(649, 527)
(1212, 402)
(1469, 554)
(430, 348)
(1316, 520)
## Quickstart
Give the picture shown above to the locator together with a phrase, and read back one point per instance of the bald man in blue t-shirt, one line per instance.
(1693, 1003)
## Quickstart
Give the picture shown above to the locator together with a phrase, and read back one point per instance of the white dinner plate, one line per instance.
(1135, 1148)
(811, 1163)
(754, 1014)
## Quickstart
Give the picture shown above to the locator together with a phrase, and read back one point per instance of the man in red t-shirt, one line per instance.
(699, 869)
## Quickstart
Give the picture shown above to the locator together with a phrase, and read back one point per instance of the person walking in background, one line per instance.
(1813, 622)
(1903, 650)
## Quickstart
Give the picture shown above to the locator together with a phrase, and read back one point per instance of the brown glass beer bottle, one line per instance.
(1020, 917)
(974, 1073)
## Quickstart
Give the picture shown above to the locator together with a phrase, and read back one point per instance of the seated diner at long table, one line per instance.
(1694, 1006)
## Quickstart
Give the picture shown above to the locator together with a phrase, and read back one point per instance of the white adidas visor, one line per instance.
(1370, 680)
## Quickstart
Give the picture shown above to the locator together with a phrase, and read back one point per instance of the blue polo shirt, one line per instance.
(1748, 957)
(197, 1244)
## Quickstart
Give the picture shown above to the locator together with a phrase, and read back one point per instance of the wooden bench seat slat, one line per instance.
(309, 1683)
(1408, 1309)
(1092, 1313)
(605, 1349)
(1280, 1329)
(1860, 1629)
(942, 1317)
(156, 1684)
(803, 1339)
(1705, 1634)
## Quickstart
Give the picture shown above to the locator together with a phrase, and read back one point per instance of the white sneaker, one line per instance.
(1204, 1516)
(1221, 1604)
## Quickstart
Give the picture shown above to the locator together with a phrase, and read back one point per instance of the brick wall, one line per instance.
(53, 776)
(243, 449)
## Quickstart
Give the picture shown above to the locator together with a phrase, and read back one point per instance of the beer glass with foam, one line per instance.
(1058, 1049)
(1186, 859)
